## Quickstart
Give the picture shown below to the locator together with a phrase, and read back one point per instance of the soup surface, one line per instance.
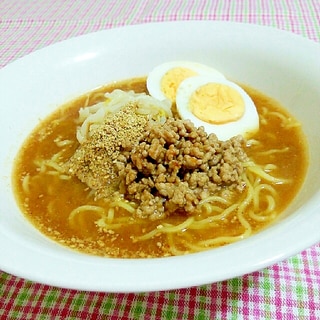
(50, 198)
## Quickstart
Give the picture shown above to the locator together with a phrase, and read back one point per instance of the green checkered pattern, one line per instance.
(288, 290)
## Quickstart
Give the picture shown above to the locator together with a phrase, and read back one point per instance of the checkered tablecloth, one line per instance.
(287, 290)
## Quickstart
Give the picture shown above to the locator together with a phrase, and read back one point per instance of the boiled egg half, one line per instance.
(221, 106)
(164, 80)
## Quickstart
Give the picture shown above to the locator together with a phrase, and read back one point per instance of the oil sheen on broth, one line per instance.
(47, 196)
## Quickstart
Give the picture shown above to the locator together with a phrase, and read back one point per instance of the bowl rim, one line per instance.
(47, 265)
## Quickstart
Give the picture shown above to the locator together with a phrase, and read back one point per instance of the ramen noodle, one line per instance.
(61, 191)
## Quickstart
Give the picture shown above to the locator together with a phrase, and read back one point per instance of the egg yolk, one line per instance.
(217, 103)
(172, 79)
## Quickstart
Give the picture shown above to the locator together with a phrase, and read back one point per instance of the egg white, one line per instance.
(246, 126)
(155, 76)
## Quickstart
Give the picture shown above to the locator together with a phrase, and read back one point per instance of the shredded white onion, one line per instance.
(90, 117)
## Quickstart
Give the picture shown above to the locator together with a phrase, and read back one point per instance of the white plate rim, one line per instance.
(122, 275)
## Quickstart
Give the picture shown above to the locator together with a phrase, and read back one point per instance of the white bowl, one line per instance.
(280, 64)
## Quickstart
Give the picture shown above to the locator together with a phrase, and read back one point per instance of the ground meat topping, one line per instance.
(165, 168)
(176, 165)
